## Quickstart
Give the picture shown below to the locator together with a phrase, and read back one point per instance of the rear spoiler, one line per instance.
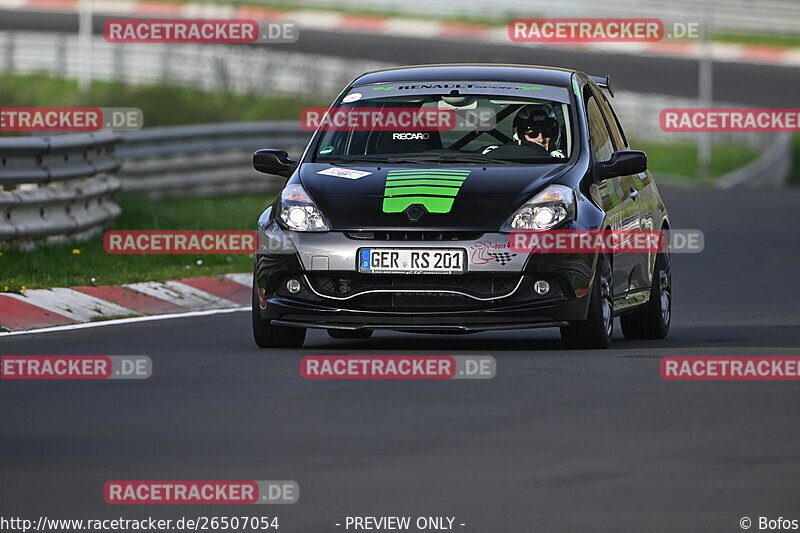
(604, 83)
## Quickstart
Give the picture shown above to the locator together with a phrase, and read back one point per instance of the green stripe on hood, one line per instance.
(435, 189)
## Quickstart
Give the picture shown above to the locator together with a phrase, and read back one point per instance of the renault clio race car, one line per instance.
(408, 230)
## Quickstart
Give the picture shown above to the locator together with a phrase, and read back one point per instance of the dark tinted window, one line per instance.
(613, 123)
(599, 137)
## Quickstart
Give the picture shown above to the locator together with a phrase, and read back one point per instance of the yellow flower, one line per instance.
(5, 289)
(24, 288)
(75, 251)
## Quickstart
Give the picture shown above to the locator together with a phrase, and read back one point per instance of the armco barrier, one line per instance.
(63, 185)
(59, 185)
(771, 169)
(204, 159)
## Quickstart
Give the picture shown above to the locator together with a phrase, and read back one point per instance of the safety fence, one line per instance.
(64, 186)
(739, 16)
(61, 185)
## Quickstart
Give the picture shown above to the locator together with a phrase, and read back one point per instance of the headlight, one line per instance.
(546, 210)
(298, 211)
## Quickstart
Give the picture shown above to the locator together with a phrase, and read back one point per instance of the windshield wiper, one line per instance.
(448, 158)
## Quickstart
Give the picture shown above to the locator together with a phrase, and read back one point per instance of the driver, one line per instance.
(534, 125)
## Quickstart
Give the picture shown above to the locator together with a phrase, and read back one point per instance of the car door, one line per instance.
(615, 193)
(642, 191)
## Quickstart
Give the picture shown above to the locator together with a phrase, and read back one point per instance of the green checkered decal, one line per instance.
(435, 189)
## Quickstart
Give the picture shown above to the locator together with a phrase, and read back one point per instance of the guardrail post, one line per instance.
(8, 61)
(61, 55)
(118, 60)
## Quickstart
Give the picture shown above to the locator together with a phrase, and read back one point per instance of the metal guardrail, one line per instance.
(57, 185)
(232, 68)
(204, 159)
(771, 169)
(62, 186)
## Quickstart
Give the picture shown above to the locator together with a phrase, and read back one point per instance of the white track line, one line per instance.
(124, 321)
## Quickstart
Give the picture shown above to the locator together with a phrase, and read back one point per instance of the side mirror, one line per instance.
(274, 162)
(622, 163)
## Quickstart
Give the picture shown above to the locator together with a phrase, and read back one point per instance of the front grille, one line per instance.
(414, 235)
(484, 285)
(416, 300)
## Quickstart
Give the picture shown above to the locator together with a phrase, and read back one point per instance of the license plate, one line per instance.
(411, 261)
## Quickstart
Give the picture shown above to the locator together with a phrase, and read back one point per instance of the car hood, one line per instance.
(461, 197)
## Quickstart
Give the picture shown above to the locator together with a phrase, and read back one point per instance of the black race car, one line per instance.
(408, 229)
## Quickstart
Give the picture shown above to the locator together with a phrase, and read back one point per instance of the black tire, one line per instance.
(268, 336)
(596, 330)
(652, 321)
(350, 333)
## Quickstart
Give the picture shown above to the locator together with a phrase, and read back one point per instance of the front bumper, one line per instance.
(495, 293)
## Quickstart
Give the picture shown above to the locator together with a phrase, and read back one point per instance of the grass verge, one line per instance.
(794, 178)
(680, 159)
(66, 265)
(162, 105)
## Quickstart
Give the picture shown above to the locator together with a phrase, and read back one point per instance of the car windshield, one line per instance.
(512, 123)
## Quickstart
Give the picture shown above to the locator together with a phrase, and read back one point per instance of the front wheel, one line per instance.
(595, 331)
(652, 321)
(267, 335)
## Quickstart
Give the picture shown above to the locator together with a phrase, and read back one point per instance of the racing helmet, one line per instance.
(535, 118)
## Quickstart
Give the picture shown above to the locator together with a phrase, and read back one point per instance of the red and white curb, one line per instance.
(48, 308)
(410, 28)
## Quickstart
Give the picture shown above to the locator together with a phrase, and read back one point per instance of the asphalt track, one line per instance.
(559, 440)
(753, 85)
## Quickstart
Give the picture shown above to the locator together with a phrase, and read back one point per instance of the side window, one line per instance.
(613, 123)
(599, 138)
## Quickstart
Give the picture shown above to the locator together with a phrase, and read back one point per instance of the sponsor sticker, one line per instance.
(344, 173)
(352, 97)
(484, 252)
